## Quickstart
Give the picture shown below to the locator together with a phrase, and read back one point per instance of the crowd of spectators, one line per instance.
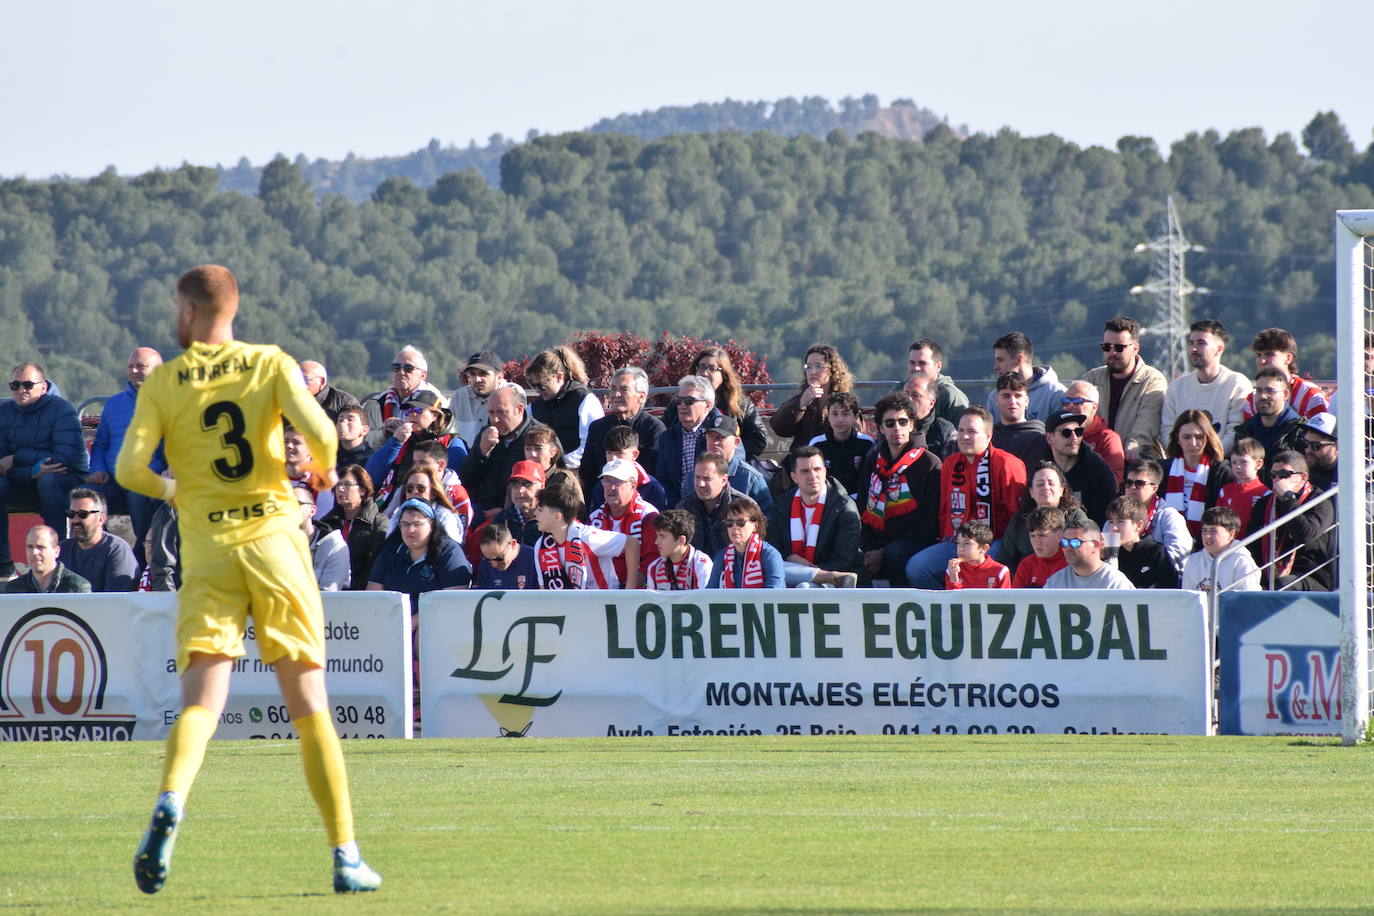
(1118, 479)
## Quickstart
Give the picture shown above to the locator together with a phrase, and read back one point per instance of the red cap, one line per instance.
(528, 470)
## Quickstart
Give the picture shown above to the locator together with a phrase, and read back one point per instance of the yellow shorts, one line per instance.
(271, 578)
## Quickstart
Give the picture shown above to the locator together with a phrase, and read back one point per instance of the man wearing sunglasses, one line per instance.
(1319, 447)
(42, 454)
(1301, 550)
(101, 558)
(1082, 546)
(1134, 389)
(1082, 398)
(681, 443)
(1088, 475)
(385, 410)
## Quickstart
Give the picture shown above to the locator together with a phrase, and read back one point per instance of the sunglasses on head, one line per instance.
(26, 384)
(82, 514)
(893, 422)
(403, 367)
(1113, 348)
(1071, 432)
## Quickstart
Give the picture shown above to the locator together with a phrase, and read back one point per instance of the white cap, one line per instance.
(620, 469)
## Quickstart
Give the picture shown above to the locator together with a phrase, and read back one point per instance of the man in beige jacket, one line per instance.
(1132, 391)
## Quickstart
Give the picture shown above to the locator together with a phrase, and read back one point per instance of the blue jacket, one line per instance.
(46, 429)
(773, 570)
(751, 483)
(669, 470)
(109, 435)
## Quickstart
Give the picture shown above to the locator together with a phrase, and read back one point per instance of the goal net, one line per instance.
(1355, 431)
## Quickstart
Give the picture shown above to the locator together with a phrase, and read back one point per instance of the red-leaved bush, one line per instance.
(665, 360)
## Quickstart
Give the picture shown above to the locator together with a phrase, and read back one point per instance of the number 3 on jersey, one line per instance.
(232, 438)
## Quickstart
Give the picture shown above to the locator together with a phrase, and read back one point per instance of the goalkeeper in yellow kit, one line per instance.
(219, 408)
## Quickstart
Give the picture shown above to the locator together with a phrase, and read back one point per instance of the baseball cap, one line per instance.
(424, 398)
(484, 359)
(1323, 424)
(722, 425)
(528, 470)
(1060, 417)
(620, 469)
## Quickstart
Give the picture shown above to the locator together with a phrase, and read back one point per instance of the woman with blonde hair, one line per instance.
(803, 415)
(713, 364)
(1197, 471)
(564, 403)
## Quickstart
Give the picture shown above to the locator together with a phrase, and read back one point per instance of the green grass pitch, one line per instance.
(741, 825)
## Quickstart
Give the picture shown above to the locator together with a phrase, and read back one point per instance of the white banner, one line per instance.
(810, 662)
(102, 667)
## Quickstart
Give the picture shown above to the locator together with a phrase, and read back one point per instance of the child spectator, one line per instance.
(506, 563)
(566, 555)
(971, 567)
(1143, 560)
(679, 566)
(1046, 526)
(1240, 495)
(844, 445)
(1237, 572)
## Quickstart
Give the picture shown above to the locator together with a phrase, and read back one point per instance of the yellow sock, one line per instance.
(326, 775)
(186, 748)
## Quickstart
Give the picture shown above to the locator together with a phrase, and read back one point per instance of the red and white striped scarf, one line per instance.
(692, 572)
(1151, 511)
(753, 565)
(562, 565)
(610, 572)
(804, 534)
(1185, 489)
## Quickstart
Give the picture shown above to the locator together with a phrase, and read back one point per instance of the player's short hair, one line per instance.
(845, 400)
(978, 410)
(209, 286)
(1045, 518)
(925, 343)
(434, 449)
(898, 401)
(94, 496)
(1213, 327)
(677, 522)
(1251, 447)
(622, 439)
(354, 411)
(1274, 339)
(1222, 517)
(1276, 374)
(1148, 465)
(563, 498)
(978, 532)
(720, 464)
(1122, 325)
(1015, 343)
(495, 533)
(1011, 381)
(1291, 458)
(1126, 507)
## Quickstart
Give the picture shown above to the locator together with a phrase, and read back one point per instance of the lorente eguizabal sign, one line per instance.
(780, 662)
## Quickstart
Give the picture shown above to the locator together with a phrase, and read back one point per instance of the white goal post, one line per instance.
(1354, 322)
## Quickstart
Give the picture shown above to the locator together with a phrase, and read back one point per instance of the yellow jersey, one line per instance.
(218, 408)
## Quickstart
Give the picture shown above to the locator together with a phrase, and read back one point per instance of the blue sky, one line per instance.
(145, 83)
